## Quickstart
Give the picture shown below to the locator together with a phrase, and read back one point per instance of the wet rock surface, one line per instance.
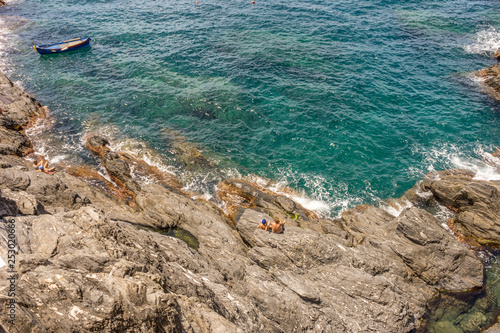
(238, 194)
(124, 169)
(85, 265)
(496, 55)
(475, 202)
(491, 76)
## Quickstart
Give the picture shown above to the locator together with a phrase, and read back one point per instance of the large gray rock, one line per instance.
(432, 254)
(491, 78)
(17, 107)
(476, 203)
(83, 270)
(17, 110)
(25, 203)
(72, 278)
(388, 265)
(13, 143)
(238, 194)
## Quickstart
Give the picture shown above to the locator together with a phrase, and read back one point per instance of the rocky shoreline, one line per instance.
(491, 77)
(85, 264)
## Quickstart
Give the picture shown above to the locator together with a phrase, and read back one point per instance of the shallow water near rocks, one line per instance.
(176, 232)
(467, 312)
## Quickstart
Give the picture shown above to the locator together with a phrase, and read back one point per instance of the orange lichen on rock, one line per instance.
(93, 177)
(126, 171)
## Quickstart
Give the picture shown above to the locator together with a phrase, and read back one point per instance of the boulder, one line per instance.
(475, 202)
(84, 285)
(17, 108)
(412, 252)
(432, 254)
(247, 225)
(127, 172)
(97, 144)
(238, 194)
(14, 143)
(496, 55)
(25, 203)
(491, 78)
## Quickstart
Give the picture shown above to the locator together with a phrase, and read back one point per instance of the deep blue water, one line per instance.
(347, 102)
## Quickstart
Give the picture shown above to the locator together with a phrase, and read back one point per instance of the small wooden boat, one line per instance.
(67, 45)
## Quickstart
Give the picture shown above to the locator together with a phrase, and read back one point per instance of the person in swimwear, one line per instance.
(264, 225)
(43, 166)
(277, 226)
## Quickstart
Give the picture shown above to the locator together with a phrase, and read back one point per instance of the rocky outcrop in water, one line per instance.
(491, 76)
(17, 109)
(239, 194)
(496, 55)
(475, 202)
(86, 262)
(123, 169)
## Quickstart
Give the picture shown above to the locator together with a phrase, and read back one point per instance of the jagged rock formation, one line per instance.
(496, 55)
(86, 264)
(476, 203)
(491, 76)
(238, 194)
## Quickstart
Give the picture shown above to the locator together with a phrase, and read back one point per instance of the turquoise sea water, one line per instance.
(347, 102)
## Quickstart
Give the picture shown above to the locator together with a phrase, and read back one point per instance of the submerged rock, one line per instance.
(187, 154)
(473, 322)
(446, 327)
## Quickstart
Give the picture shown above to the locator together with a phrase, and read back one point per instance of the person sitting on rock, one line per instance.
(264, 225)
(43, 166)
(277, 226)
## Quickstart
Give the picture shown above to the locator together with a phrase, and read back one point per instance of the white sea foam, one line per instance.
(318, 206)
(486, 42)
(4, 44)
(395, 208)
(326, 199)
(483, 164)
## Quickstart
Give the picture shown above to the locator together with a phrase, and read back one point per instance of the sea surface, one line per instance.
(346, 102)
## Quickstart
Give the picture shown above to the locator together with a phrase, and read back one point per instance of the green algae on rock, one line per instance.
(176, 232)
(469, 311)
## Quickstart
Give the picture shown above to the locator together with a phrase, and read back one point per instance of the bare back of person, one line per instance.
(277, 226)
(42, 165)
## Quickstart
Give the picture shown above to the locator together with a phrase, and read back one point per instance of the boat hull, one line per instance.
(69, 45)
